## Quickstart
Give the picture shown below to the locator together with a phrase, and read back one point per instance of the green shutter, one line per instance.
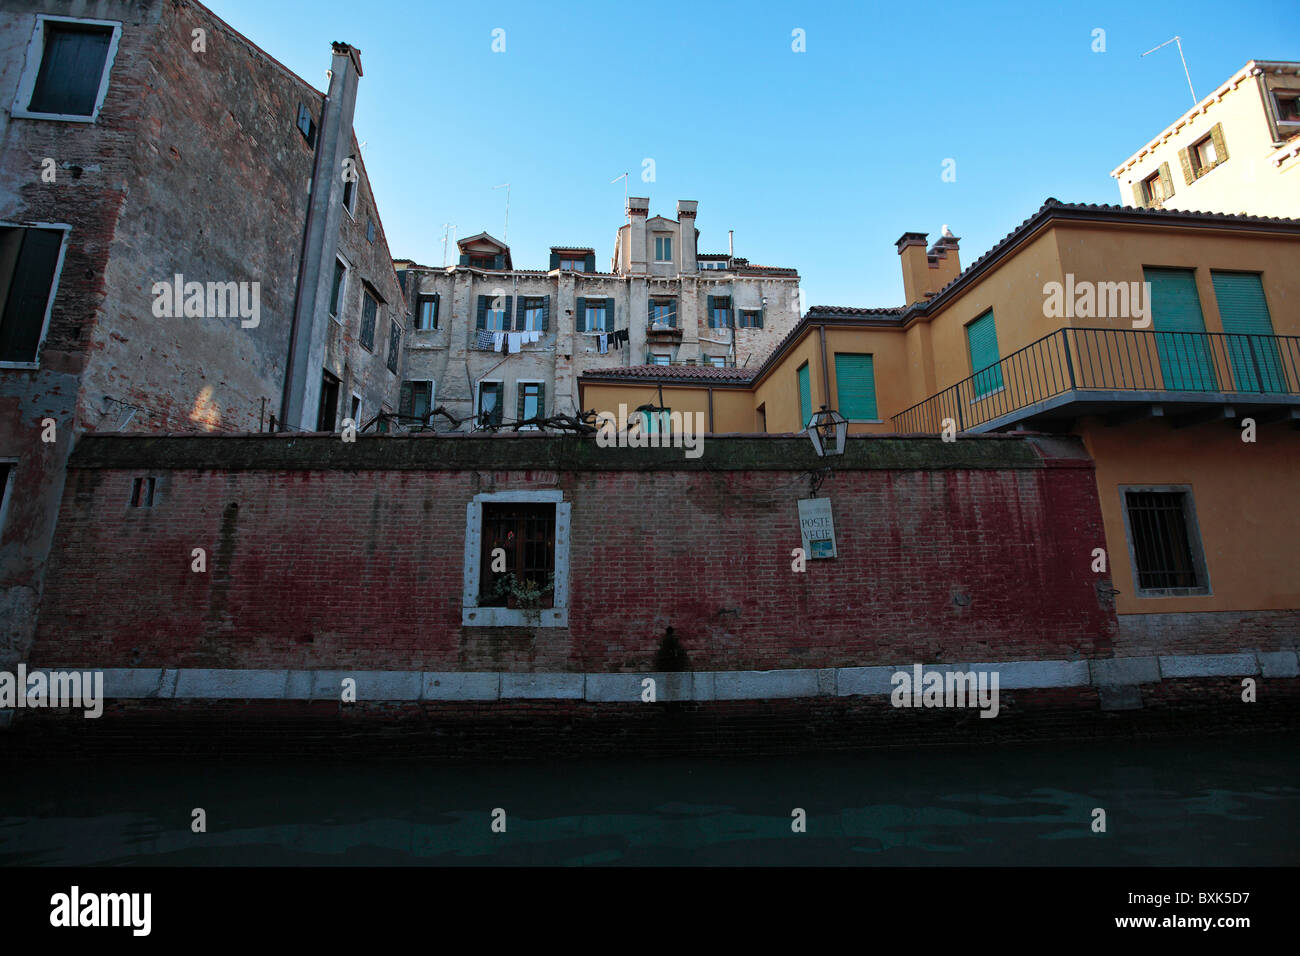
(1139, 195)
(520, 308)
(546, 313)
(519, 402)
(609, 315)
(672, 313)
(1185, 362)
(405, 402)
(1167, 181)
(437, 305)
(1252, 349)
(709, 314)
(982, 340)
(580, 318)
(1185, 160)
(482, 312)
(650, 308)
(1220, 147)
(805, 396)
(505, 321)
(541, 399)
(555, 260)
(855, 387)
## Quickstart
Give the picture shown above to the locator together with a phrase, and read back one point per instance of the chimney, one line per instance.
(638, 209)
(925, 273)
(687, 234)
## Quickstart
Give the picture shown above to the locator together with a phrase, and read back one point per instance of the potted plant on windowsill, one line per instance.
(526, 595)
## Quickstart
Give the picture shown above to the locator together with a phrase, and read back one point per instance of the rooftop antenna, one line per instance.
(445, 227)
(506, 235)
(1179, 40)
(624, 178)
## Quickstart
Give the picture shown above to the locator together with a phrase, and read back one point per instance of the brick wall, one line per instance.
(327, 554)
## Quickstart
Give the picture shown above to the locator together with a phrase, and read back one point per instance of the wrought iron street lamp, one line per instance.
(827, 431)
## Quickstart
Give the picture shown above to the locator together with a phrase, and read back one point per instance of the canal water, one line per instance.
(1211, 801)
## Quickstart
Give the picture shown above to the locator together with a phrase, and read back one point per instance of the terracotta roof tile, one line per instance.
(683, 372)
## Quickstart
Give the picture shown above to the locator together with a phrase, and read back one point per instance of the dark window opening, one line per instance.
(526, 533)
(394, 346)
(142, 492)
(336, 292)
(28, 259)
(483, 262)
(370, 231)
(426, 313)
(1165, 544)
(751, 319)
(369, 315)
(306, 125)
(72, 69)
(329, 403)
(490, 403)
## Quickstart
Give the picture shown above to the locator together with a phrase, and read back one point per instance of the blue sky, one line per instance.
(818, 160)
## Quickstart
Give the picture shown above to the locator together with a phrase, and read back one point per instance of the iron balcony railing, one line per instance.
(1112, 360)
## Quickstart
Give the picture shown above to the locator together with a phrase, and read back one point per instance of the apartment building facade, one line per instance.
(1187, 402)
(495, 344)
(1236, 151)
(172, 205)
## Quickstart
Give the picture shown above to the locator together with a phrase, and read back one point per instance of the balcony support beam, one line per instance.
(1219, 413)
(1140, 413)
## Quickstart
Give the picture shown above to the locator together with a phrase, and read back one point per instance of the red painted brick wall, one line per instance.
(363, 569)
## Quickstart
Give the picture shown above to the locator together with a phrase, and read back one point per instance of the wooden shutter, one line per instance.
(437, 302)
(650, 309)
(482, 312)
(1256, 364)
(1139, 195)
(609, 315)
(519, 401)
(405, 404)
(464, 260)
(72, 68)
(590, 261)
(1185, 361)
(805, 396)
(520, 308)
(709, 315)
(1185, 160)
(499, 262)
(1220, 147)
(855, 387)
(546, 313)
(580, 315)
(982, 340)
(505, 320)
(1168, 182)
(555, 260)
(29, 295)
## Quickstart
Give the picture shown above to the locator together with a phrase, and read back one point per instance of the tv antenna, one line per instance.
(1179, 40)
(505, 237)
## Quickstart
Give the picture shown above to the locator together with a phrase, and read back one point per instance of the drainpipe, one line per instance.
(710, 409)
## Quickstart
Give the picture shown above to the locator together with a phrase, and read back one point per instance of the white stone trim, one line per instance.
(874, 681)
(555, 616)
(32, 67)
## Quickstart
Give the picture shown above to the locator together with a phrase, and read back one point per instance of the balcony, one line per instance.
(1122, 375)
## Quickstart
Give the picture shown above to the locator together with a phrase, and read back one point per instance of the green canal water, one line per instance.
(1214, 801)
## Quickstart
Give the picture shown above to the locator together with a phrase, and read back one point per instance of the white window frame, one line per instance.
(54, 286)
(478, 389)
(32, 68)
(356, 188)
(555, 616)
(1280, 93)
(667, 239)
(436, 301)
(529, 381)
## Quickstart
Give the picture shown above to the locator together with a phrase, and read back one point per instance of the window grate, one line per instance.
(527, 535)
(1162, 547)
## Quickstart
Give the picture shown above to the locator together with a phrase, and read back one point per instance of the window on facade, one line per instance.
(306, 125)
(663, 248)
(982, 341)
(73, 68)
(337, 289)
(394, 346)
(496, 313)
(663, 312)
(490, 405)
(369, 316)
(28, 261)
(483, 262)
(370, 231)
(426, 313)
(855, 387)
(328, 412)
(531, 401)
(654, 423)
(1203, 155)
(417, 400)
(350, 186)
(1165, 541)
(6, 480)
(574, 265)
(354, 411)
(597, 316)
(143, 491)
(719, 312)
(751, 319)
(525, 532)
(709, 264)
(1155, 189)
(717, 361)
(805, 395)
(1288, 106)
(660, 358)
(534, 309)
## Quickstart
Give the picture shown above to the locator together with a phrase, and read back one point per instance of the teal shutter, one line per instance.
(609, 315)
(520, 308)
(405, 401)
(519, 402)
(541, 399)
(546, 313)
(580, 318)
(672, 313)
(710, 312)
(482, 312)
(982, 340)
(1181, 343)
(805, 396)
(855, 387)
(1252, 349)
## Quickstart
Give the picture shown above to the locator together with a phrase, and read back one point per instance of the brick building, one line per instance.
(173, 204)
(662, 302)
